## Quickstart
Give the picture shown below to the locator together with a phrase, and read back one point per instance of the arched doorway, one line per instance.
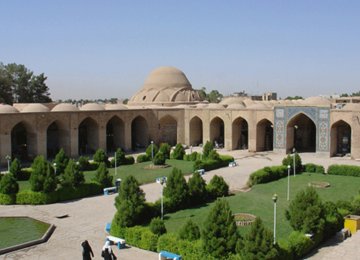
(168, 130)
(340, 138)
(115, 134)
(217, 132)
(23, 142)
(240, 134)
(52, 140)
(88, 136)
(139, 133)
(301, 134)
(264, 136)
(196, 131)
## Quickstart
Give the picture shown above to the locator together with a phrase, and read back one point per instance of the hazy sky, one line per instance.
(104, 49)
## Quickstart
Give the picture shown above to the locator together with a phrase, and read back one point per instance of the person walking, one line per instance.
(107, 252)
(87, 251)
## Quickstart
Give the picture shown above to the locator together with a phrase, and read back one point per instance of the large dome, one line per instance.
(166, 86)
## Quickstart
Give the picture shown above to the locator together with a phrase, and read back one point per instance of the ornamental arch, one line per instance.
(115, 134)
(340, 138)
(23, 141)
(88, 136)
(217, 132)
(57, 137)
(196, 131)
(301, 134)
(264, 135)
(139, 133)
(240, 134)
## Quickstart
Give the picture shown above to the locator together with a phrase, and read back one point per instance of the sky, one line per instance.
(106, 49)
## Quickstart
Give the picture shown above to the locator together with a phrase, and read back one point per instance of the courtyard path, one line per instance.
(87, 217)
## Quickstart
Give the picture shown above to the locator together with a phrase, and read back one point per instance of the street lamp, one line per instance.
(8, 158)
(115, 164)
(294, 151)
(274, 198)
(288, 187)
(152, 150)
(162, 181)
(55, 167)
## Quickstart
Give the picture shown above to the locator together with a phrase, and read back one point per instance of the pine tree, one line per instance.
(178, 153)
(190, 231)
(15, 169)
(220, 233)
(197, 189)
(38, 174)
(176, 189)
(258, 243)
(8, 184)
(61, 161)
(102, 175)
(72, 175)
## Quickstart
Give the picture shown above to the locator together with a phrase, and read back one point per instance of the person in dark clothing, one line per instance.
(87, 251)
(107, 253)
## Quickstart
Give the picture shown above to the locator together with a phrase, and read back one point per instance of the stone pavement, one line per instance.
(87, 217)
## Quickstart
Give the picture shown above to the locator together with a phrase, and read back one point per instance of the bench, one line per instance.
(109, 190)
(165, 255)
(107, 227)
(119, 242)
(201, 171)
(232, 164)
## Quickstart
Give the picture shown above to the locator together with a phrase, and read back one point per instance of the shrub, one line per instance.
(157, 226)
(197, 189)
(191, 157)
(178, 153)
(8, 184)
(346, 170)
(102, 175)
(141, 237)
(299, 244)
(83, 163)
(190, 231)
(42, 177)
(33, 198)
(121, 159)
(209, 165)
(159, 159)
(165, 148)
(72, 176)
(7, 199)
(176, 190)
(100, 156)
(267, 174)
(61, 161)
(333, 219)
(208, 147)
(217, 187)
(151, 151)
(311, 167)
(129, 160)
(289, 160)
(213, 155)
(142, 158)
(15, 169)
(306, 212)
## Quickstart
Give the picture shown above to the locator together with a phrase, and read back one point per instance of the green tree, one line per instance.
(8, 184)
(178, 153)
(157, 226)
(5, 86)
(130, 203)
(208, 147)
(165, 148)
(15, 169)
(83, 163)
(220, 233)
(306, 212)
(120, 157)
(100, 156)
(197, 189)
(190, 231)
(102, 175)
(214, 96)
(294, 97)
(258, 243)
(151, 150)
(61, 161)
(42, 176)
(72, 176)
(202, 93)
(217, 187)
(289, 160)
(50, 182)
(176, 189)
(159, 159)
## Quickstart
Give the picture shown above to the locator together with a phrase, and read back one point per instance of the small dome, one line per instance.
(236, 106)
(247, 102)
(232, 100)
(215, 106)
(4, 109)
(91, 107)
(116, 106)
(35, 108)
(317, 101)
(258, 106)
(352, 107)
(64, 107)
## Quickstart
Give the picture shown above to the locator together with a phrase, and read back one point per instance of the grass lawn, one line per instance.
(259, 202)
(18, 230)
(137, 170)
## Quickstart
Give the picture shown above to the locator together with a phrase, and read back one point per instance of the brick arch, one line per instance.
(264, 135)
(340, 138)
(115, 134)
(88, 136)
(240, 133)
(196, 131)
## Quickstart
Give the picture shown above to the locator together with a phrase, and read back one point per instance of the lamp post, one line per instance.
(274, 198)
(8, 158)
(288, 186)
(55, 167)
(294, 151)
(162, 181)
(152, 150)
(115, 164)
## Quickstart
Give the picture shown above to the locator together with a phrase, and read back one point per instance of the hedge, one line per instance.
(62, 194)
(267, 174)
(346, 170)
(7, 199)
(209, 165)
(311, 167)
(142, 158)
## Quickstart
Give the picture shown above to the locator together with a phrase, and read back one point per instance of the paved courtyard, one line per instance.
(87, 217)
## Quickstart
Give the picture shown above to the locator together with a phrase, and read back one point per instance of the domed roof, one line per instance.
(317, 101)
(215, 106)
(64, 107)
(247, 102)
(92, 107)
(202, 105)
(116, 106)
(4, 109)
(35, 108)
(236, 106)
(166, 86)
(232, 100)
(352, 107)
(260, 106)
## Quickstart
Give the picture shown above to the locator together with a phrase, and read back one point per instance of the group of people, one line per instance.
(106, 252)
